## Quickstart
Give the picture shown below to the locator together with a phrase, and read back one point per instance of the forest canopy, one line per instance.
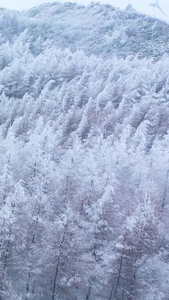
(84, 124)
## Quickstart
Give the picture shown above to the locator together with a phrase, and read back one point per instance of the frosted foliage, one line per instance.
(84, 155)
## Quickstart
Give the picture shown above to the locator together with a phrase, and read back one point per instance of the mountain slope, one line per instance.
(84, 154)
(97, 29)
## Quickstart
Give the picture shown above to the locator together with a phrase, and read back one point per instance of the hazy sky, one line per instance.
(140, 5)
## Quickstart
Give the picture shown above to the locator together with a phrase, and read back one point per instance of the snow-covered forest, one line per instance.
(84, 154)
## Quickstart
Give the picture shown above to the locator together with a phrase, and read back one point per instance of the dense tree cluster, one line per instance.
(84, 178)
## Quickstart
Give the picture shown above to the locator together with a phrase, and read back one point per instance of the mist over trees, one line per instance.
(84, 155)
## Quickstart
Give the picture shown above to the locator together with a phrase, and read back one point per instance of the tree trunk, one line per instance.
(57, 264)
(88, 293)
(165, 191)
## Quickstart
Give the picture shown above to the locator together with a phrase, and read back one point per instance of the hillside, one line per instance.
(95, 29)
(84, 135)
